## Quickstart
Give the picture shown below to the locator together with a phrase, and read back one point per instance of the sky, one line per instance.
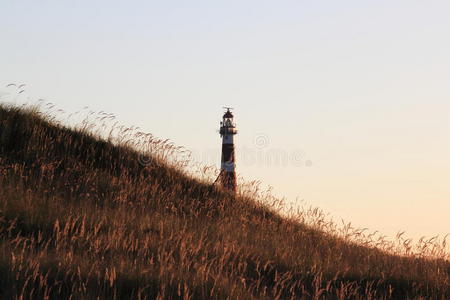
(343, 105)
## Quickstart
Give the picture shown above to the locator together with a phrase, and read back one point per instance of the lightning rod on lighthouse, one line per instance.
(227, 169)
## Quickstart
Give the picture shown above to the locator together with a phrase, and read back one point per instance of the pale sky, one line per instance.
(357, 90)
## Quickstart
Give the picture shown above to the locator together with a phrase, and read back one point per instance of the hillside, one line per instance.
(81, 218)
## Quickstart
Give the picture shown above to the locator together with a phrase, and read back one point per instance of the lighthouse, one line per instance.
(227, 169)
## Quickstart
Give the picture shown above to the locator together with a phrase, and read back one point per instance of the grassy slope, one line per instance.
(82, 217)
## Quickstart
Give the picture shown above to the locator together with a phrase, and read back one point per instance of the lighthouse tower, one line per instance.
(227, 170)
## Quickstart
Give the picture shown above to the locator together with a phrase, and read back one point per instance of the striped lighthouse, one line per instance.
(227, 168)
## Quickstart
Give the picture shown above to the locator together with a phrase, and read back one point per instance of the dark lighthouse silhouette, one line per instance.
(227, 131)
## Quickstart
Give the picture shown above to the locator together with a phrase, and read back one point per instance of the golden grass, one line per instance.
(103, 211)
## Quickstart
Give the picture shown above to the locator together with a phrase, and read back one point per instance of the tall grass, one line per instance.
(103, 211)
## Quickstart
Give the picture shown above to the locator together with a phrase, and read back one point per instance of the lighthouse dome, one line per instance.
(228, 114)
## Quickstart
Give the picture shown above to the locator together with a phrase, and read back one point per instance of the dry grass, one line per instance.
(85, 214)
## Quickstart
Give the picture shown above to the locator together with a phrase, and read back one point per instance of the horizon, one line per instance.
(352, 101)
